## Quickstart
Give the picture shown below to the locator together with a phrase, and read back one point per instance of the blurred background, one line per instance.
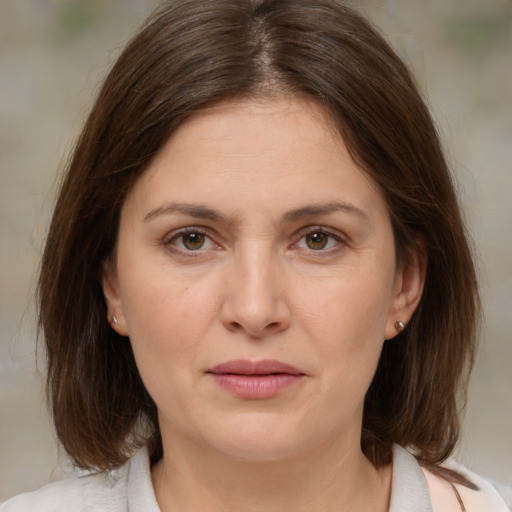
(53, 53)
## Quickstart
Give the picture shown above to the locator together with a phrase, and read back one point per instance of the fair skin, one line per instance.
(253, 236)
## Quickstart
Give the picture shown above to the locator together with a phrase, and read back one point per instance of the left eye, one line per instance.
(318, 240)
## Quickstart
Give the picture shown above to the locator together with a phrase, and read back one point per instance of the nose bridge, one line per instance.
(254, 300)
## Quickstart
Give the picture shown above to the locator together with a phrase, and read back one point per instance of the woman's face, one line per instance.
(256, 278)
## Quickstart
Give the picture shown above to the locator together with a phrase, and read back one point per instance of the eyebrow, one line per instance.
(316, 210)
(192, 210)
(200, 211)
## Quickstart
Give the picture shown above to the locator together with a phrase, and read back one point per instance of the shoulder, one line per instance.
(99, 492)
(416, 488)
(487, 498)
(128, 488)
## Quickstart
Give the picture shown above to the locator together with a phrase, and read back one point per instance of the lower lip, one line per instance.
(256, 387)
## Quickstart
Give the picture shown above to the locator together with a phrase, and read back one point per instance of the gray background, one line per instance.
(52, 55)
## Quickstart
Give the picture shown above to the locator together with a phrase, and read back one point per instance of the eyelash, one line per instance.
(171, 238)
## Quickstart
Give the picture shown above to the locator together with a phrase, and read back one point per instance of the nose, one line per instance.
(255, 298)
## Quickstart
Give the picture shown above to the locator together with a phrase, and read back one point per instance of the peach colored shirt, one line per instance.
(444, 499)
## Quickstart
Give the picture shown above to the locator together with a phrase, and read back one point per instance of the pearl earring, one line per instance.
(399, 326)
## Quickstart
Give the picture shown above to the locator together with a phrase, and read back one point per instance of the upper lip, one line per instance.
(263, 367)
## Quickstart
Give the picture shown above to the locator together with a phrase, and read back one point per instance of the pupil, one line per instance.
(316, 240)
(193, 241)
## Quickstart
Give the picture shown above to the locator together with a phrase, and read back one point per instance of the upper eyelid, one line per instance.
(187, 229)
(176, 233)
(207, 230)
(336, 233)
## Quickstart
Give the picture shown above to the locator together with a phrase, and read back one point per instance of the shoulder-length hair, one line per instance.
(191, 53)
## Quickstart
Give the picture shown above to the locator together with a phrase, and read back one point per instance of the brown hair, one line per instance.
(190, 53)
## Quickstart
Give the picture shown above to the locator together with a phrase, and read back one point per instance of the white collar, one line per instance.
(409, 490)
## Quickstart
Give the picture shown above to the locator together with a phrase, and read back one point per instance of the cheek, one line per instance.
(167, 316)
(163, 335)
(347, 319)
(156, 295)
(162, 317)
(353, 308)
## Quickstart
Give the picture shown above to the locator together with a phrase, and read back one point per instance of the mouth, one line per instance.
(255, 380)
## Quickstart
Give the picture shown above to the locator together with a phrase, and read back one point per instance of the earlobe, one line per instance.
(110, 287)
(410, 281)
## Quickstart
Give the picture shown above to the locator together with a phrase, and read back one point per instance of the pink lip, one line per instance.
(255, 380)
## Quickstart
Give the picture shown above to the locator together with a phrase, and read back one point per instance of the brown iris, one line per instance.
(193, 241)
(316, 240)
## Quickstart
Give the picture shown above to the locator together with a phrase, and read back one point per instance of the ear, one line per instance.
(409, 284)
(111, 293)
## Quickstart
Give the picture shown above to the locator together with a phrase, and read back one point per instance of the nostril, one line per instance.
(235, 325)
(254, 331)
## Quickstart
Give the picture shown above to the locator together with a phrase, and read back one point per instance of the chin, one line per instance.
(259, 450)
(257, 439)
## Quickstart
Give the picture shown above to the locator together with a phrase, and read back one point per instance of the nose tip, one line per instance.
(258, 325)
(255, 303)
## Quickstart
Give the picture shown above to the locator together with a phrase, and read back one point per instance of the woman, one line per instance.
(248, 293)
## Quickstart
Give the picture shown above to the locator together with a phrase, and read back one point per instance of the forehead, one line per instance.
(234, 152)
(303, 115)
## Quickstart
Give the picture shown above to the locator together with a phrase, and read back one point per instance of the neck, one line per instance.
(327, 479)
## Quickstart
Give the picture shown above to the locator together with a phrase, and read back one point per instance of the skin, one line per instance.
(260, 275)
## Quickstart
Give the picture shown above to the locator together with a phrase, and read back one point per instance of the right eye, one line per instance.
(317, 240)
(190, 240)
